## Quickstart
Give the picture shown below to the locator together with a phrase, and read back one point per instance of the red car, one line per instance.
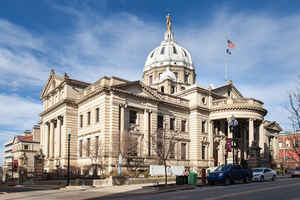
(296, 172)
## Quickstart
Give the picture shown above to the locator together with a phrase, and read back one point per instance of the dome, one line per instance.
(167, 75)
(168, 53)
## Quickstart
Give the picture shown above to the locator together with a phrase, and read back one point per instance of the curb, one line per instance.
(154, 191)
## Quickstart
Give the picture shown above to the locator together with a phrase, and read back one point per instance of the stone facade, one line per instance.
(99, 114)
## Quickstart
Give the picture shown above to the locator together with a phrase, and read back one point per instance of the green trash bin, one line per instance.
(192, 178)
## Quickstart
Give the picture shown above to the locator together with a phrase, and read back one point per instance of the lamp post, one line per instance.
(233, 123)
(68, 170)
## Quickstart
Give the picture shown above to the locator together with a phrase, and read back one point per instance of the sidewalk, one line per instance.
(93, 193)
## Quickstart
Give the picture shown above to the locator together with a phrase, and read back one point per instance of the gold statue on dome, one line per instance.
(169, 23)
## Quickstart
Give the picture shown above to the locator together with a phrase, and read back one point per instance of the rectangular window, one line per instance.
(287, 144)
(80, 148)
(173, 89)
(160, 122)
(97, 114)
(203, 152)
(150, 79)
(89, 118)
(174, 50)
(81, 121)
(296, 143)
(172, 123)
(183, 125)
(172, 149)
(26, 147)
(132, 117)
(186, 78)
(183, 151)
(88, 143)
(159, 75)
(203, 126)
(97, 146)
(162, 51)
(176, 74)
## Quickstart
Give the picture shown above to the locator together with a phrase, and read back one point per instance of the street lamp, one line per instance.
(68, 170)
(233, 123)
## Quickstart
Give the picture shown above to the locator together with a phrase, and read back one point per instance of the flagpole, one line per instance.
(226, 60)
(226, 68)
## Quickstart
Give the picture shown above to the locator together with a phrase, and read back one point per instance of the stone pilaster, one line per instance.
(251, 131)
(51, 142)
(211, 144)
(262, 138)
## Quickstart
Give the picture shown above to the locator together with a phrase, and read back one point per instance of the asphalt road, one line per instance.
(281, 189)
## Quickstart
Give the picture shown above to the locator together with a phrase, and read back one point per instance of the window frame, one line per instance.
(81, 121)
(97, 119)
(183, 125)
(89, 118)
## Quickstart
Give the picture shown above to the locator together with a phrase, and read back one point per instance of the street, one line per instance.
(285, 188)
(280, 189)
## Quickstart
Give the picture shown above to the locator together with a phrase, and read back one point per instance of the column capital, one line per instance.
(60, 117)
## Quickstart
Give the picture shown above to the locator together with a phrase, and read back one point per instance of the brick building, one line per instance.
(289, 149)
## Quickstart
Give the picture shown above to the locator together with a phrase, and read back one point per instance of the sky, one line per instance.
(89, 39)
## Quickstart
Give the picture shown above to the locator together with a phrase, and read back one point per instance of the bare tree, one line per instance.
(165, 146)
(294, 105)
(129, 151)
(95, 153)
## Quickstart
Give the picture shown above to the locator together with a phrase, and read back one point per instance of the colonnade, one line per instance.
(217, 134)
(53, 138)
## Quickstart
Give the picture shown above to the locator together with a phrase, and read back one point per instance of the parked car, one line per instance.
(262, 174)
(228, 174)
(296, 172)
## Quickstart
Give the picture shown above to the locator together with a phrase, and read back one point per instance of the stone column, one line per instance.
(211, 144)
(229, 154)
(221, 154)
(47, 139)
(262, 138)
(122, 126)
(251, 132)
(51, 138)
(59, 135)
(245, 142)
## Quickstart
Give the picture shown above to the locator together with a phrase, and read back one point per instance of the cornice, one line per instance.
(240, 107)
(68, 101)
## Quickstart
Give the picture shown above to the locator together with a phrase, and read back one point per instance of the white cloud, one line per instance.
(264, 60)
(18, 113)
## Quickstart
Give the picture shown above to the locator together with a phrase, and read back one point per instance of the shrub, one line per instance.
(146, 173)
(77, 181)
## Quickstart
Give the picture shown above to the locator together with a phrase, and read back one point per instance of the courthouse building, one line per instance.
(99, 114)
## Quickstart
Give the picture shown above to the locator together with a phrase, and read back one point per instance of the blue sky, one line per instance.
(89, 39)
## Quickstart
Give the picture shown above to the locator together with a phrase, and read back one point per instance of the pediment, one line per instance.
(223, 91)
(52, 83)
(140, 89)
(274, 126)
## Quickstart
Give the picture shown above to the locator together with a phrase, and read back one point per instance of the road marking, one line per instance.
(250, 191)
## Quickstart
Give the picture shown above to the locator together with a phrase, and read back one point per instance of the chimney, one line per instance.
(27, 133)
(36, 133)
